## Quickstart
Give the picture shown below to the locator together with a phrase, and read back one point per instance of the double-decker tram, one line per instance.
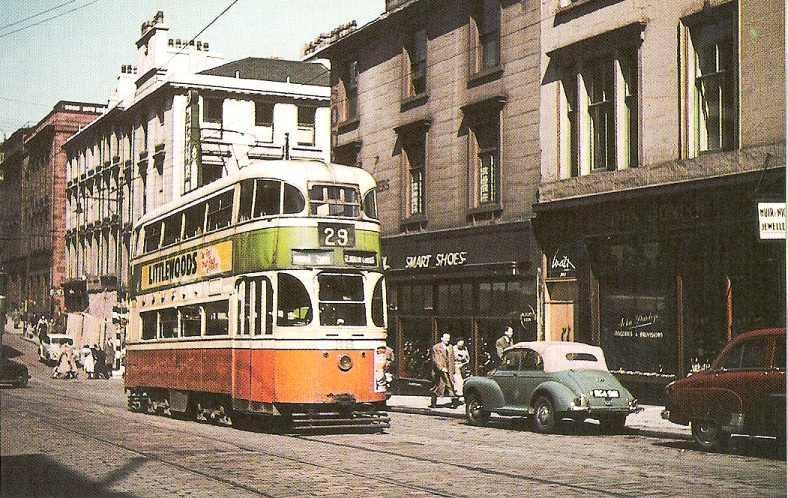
(262, 295)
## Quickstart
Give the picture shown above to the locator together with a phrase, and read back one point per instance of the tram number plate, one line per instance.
(336, 235)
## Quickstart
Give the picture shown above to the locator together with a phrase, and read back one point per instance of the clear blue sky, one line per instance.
(78, 56)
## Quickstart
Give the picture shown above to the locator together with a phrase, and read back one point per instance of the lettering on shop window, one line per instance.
(440, 260)
(641, 325)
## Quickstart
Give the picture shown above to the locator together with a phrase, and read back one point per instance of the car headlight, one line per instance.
(580, 401)
(633, 403)
(345, 363)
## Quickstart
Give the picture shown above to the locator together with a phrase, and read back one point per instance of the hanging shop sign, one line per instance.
(771, 220)
(562, 264)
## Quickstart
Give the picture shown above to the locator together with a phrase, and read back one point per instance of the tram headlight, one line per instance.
(345, 363)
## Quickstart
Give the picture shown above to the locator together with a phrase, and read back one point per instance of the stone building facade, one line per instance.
(439, 101)
(179, 119)
(35, 254)
(662, 128)
(12, 260)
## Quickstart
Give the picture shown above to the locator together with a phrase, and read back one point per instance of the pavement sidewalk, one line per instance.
(647, 422)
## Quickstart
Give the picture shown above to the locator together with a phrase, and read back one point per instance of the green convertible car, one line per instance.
(550, 381)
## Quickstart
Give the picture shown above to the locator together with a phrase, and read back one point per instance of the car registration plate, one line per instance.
(605, 393)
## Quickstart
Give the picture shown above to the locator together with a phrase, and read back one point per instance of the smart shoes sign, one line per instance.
(439, 260)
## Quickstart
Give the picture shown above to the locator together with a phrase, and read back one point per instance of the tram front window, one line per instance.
(294, 307)
(341, 300)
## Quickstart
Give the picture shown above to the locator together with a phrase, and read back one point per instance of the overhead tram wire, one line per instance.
(4, 26)
(3, 35)
(220, 14)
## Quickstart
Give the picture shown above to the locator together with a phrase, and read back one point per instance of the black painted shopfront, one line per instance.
(470, 282)
(661, 279)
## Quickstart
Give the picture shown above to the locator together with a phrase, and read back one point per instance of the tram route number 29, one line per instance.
(336, 235)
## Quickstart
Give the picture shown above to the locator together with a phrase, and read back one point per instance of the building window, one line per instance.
(415, 172)
(711, 81)
(306, 126)
(415, 64)
(602, 137)
(350, 107)
(264, 120)
(598, 114)
(486, 163)
(212, 110)
(485, 36)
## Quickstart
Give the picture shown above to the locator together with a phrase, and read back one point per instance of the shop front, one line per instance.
(470, 282)
(660, 280)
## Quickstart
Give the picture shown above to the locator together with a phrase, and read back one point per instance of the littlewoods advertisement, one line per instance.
(188, 266)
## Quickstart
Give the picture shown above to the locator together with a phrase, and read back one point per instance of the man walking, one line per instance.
(109, 357)
(504, 342)
(443, 372)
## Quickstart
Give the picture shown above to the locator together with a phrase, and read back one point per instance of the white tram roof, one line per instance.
(296, 172)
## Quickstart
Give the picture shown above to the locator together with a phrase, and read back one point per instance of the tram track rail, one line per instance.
(482, 470)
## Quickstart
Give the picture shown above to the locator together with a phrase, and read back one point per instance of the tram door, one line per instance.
(255, 316)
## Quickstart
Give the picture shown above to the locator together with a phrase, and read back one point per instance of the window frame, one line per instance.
(478, 65)
(414, 62)
(210, 117)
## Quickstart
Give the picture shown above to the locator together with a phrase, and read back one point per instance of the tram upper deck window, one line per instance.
(195, 221)
(220, 211)
(371, 205)
(149, 325)
(152, 236)
(333, 200)
(216, 315)
(293, 200)
(172, 229)
(341, 299)
(267, 198)
(294, 308)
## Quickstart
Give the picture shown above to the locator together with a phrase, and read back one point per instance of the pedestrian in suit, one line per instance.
(443, 372)
(504, 342)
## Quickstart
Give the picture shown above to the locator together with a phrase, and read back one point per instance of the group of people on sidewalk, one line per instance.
(96, 363)
(451, 366)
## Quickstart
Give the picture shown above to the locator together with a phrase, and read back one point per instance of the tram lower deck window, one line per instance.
(294, 308)
(216, 314)
(342, 300)
(149, 325)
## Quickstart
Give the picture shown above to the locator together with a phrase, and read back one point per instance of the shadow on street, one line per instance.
(38, 475)
(740, 446)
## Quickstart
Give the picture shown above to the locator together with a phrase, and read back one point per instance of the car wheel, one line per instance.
(474, 410)
(613, 424)
(544, 419)
(708, 435)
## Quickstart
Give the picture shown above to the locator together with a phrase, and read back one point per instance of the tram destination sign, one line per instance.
(187, 266)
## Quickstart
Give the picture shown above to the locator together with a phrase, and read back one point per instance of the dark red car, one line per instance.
(743, 392)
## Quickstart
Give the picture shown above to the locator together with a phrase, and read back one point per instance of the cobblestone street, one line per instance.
(68, 438)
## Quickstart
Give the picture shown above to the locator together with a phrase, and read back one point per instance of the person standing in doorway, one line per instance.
(504, 342)
(443, 372)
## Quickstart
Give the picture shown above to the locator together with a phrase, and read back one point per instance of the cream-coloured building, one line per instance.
(180, 118)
